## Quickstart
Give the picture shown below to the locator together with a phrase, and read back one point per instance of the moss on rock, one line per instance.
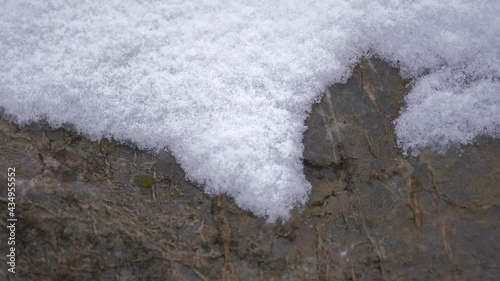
(145, 182)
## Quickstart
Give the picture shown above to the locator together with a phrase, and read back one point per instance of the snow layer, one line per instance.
(226, 85)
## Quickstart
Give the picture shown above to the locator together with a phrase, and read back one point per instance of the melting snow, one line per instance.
(226, 85)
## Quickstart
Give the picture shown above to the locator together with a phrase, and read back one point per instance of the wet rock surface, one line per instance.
(107, 211)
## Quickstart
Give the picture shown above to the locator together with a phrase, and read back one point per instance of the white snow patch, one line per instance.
(226, 85)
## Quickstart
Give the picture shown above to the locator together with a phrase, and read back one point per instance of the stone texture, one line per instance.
(84, 213)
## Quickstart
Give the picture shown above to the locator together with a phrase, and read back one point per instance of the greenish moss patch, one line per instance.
(145, 183)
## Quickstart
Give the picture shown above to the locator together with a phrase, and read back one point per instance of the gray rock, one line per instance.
(373, 214)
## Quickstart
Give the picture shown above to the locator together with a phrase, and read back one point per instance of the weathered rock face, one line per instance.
(106, 211)
(429, 218)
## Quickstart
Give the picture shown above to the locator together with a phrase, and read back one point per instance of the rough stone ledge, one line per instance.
(106, 211)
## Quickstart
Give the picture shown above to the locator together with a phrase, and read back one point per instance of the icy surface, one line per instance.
(226, 85)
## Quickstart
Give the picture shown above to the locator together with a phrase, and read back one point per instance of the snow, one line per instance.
(226, 85)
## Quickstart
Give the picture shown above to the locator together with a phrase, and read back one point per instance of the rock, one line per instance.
(104, 210)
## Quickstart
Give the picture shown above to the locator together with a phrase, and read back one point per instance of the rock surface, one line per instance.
(108, 211)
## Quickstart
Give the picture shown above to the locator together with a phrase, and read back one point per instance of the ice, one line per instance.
(226, 85)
